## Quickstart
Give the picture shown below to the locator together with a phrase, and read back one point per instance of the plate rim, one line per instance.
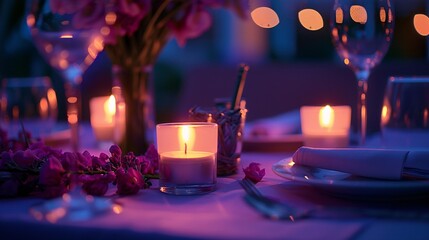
(355, 184)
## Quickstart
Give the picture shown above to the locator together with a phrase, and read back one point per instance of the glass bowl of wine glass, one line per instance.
(68, 34)
(69, 43)
(361, 32)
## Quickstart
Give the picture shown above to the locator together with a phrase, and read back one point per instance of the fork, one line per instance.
(269, 207)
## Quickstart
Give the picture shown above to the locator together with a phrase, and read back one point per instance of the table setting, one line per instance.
(307, 173)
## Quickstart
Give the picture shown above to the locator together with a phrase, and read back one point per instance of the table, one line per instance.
(222, 214)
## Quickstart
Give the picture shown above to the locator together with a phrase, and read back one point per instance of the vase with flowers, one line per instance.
(135, 33)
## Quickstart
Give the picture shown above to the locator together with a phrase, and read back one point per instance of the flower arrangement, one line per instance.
(135, 32)
(30, 168)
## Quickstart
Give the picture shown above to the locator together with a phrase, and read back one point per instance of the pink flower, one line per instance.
(99, 162)
(42, 151)
(115, 150)
(153, 156)
(25, 159)
(52, 179)
(195, 21)
(129, 14)
(146, 166)
(51, 172)
(91, 15)
(254, 173)
(129, 181)
(97, 184)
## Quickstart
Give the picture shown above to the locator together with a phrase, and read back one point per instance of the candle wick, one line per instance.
(186, 148)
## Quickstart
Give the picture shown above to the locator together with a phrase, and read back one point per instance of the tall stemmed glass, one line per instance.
(70, 46)
(361, 31)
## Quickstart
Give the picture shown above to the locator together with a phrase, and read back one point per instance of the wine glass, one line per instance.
(70, 46)
(361, 31)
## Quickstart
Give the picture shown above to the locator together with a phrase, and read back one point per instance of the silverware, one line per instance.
(277, 210)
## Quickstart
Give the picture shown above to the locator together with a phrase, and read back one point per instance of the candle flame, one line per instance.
(186, 137)
(110, 108)
(326, 117)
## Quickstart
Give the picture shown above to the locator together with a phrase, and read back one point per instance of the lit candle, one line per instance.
(325, 126)
(103, 111)
(187, 157)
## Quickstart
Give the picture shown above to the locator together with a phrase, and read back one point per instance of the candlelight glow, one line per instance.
(117, 209)
(382, 14)
(265, 17)
(52, 98)
(185, 133)
(110, 18)
(310, 19)
(43, 108)
(31, 20)
(385, 113)
(66, 35)
(358, 14)
(421, 24)
(105, 31)
(72, 118)
(110, 109)
(72, 100)
(326, 117)
(339, 16)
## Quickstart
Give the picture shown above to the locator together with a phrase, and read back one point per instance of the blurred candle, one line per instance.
(103, 111)
(325, 126)
(187, 157)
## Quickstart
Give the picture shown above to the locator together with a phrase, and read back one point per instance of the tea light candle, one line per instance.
(325, 126)
(103, 111)
(187, 157)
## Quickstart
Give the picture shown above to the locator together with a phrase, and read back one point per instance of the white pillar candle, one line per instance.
(103, 111)
(325, 126)
(187, 157)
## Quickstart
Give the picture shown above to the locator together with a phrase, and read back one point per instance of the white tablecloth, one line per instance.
(222, 214)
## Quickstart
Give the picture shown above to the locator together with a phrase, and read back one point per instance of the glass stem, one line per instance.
(72, 92)
(362, 77)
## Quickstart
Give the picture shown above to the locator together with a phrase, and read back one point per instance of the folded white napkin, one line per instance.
(375, 163)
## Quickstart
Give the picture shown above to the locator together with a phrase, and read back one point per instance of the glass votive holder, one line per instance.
(230, 132)
(187, 154)
(405, 113)
(29, 103)
(102, 117)
(325, 126)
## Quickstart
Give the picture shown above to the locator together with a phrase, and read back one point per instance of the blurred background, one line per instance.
(291, 64)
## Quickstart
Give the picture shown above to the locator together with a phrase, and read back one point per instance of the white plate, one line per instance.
(346, 185)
